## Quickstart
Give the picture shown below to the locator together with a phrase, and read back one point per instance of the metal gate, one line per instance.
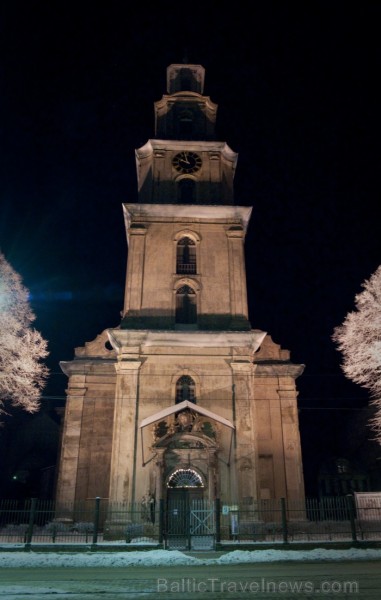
(190, 523)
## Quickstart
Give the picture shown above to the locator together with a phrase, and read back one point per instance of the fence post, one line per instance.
(29, 532)
(217, 510)
(161, 520)
(351, 510)
(96, 520)
(284, 520)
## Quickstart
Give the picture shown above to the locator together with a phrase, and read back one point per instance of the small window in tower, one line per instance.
(186, 80)
(186, 191)
(185, 389)
(186, 256)
(186, 125)
(186, 311)
(186, 129)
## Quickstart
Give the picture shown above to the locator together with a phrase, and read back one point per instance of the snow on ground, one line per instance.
(158, 558)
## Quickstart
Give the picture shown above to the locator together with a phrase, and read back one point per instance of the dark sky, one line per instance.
(297, 89)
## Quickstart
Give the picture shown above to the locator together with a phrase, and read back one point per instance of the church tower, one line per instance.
(184, 398)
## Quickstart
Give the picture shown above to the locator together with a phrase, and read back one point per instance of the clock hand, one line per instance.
(185, 159)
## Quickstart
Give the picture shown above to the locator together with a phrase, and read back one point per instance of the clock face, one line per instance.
(187, 162)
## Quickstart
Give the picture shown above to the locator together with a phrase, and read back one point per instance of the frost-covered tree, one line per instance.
(359, 340)
(22, 348)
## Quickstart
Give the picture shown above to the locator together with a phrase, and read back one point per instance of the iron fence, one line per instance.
(99, 521)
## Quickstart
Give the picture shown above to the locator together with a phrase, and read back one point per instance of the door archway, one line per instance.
(185, 478)
(184, 487)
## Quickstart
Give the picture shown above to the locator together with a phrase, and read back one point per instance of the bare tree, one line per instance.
(22, 374)
(359, 340)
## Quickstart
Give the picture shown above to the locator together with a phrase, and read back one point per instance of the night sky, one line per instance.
(297, 89)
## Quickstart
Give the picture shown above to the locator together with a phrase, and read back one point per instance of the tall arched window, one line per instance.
(186, 309)
(185, 389)
(186, 256)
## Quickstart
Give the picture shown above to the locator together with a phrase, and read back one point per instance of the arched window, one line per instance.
(186, 256)
(185, 389)
(186, 191)
(186, 309)
(186, 122)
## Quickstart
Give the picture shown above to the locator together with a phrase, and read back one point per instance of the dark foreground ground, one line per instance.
(357, 579)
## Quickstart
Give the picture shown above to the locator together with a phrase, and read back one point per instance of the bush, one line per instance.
(83, 527)
(55, 527)
(134, 530)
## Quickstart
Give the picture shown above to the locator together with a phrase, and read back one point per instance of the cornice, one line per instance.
(278, 369)
(122, 339)
(88, 366)
(178, 212)
(160, 145)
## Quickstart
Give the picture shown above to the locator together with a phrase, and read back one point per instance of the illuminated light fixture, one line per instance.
(185, 478)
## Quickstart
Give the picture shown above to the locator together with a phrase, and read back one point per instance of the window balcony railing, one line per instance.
(182, 268)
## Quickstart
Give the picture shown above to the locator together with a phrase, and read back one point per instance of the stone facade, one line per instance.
(184, 394)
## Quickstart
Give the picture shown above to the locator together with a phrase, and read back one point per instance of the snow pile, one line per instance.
(159, 558)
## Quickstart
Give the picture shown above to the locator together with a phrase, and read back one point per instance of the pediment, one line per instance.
(176, 408)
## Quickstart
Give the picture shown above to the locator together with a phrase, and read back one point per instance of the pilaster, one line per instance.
(237, 277)
(245, 440)
(67, 479)
(159, 469)
(135, 271)
(125, 431)
(291, 441)
(279, 440)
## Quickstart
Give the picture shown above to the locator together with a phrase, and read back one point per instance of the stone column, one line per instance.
(245, 463)
(135, 272)
(159, 464)
(211, 474)
(125, 431)
(237, 277)
(279, 443)
(291, 440)
(67, 478)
